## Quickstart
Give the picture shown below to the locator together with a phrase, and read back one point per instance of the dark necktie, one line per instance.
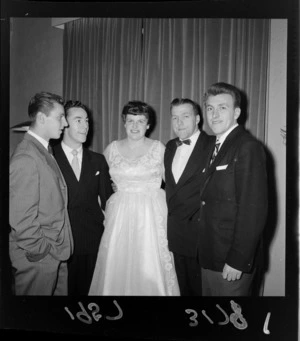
(54, 163)
(50, 150)
(179, 142)
(216, 150)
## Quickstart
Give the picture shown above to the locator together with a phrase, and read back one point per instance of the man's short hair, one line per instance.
(42, 102)
(179, 101)
(224, 88)
(76, 104)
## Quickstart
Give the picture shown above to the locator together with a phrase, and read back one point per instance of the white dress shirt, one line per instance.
(69, 155)
(182, 156)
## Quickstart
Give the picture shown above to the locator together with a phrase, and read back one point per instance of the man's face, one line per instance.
(221, 114)
(184, 120)
(54, 122)
(78, 126)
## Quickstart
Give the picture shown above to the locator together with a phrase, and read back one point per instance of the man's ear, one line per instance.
(40, 117)
(237, 112)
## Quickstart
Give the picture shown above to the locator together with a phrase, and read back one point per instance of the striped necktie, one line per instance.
(216, 150)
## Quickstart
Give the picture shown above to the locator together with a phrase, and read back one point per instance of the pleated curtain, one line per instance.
(109, 61)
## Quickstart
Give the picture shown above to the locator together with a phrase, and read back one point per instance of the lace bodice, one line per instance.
(141, 174)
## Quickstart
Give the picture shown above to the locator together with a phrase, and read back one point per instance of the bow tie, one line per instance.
(179, 142)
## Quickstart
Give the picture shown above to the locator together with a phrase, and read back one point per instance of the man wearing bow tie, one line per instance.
(233, 199)
(186, 161)
(89, 187)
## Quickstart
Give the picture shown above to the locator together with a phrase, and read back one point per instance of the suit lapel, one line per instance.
(195, 162)
(68, 173)
(48, 158)
(169, 156)
(86, 168)
(64, 164)
(229, 141)
(85, 174)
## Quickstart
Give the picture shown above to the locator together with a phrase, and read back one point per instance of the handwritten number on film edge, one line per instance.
(84, 316)
(226, 316)
(236, 318)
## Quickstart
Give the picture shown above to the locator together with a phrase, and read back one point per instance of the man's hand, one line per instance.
(36, 257)
(230, 273)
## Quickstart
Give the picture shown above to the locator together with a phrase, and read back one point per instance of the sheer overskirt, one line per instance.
(133, 257)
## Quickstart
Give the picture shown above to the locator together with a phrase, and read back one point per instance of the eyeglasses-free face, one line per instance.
(221, 113)
(136, 126)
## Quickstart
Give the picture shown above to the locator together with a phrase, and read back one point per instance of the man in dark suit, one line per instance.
(40, 240)
(89, 187)
(185, 165)
(233, 199)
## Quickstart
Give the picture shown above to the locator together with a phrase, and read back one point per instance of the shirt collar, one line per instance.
(39, 138)
(68, 149)
(222, 138)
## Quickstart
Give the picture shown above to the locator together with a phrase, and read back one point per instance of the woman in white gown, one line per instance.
(133, 257)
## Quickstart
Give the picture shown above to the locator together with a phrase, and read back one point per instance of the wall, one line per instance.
(276, 119)
(36, 64)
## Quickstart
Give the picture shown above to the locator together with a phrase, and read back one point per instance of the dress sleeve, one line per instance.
(161, 149)
(108, 152)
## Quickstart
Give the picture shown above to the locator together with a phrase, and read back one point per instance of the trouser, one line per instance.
(46, 277)
(81, 270)
(188, 273)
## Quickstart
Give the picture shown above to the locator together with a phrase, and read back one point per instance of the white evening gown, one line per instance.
(133, 257)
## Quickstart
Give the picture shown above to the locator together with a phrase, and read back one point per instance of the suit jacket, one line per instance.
(38, 204)
(233, 204)
(183, 198)
(85, 213)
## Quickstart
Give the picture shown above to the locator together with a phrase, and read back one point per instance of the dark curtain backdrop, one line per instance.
(109, 61)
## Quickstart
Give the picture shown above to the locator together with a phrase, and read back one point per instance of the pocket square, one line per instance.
(221, 167)
(97, 173)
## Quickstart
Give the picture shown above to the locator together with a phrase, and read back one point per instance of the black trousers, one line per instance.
(80, 273)
(188, 273)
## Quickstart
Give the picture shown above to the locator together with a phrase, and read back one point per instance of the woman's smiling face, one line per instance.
(136, 126)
